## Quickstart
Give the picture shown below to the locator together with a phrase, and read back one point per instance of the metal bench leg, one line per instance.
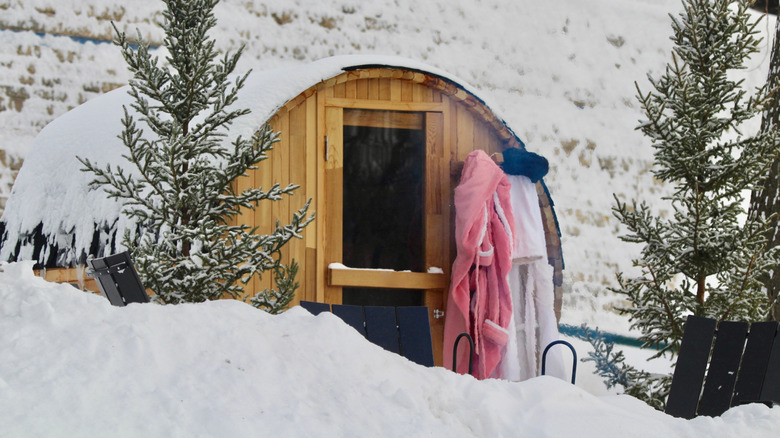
(574, 358)
(455, 352)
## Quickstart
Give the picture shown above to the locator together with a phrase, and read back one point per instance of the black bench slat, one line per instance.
(352, 315)
(402, 330)
(315, 308)
(130, 285)
(724, 366)
(771, 388)
(755, 360)
(414, 330)
(381, 328)
(99, 270)
(106, 284)
(691, 365)
(117, 279)
(744, 367)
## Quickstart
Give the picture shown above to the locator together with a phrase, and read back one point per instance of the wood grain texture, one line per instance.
(455, 124)
(386, 279)
(334, 192)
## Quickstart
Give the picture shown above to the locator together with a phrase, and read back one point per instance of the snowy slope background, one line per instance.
(561, 73)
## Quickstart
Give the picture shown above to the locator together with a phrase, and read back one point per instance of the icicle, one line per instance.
(80, 276)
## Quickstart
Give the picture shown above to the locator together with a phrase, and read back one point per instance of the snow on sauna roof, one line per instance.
(52, 192)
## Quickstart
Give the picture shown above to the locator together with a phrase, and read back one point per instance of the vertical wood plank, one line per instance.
(234, 186)
(448, 248)
(450, 151)
(298, 176)
(240, 184)
(309, 268)
(384, 89)
(395, 90)
(351, 89)
(320, 275)
(247, 216)
(310, 274)
(373, 89)
(340, 90)
(334, 177)
(436, 229)
(263, 178)
(481, 140)
(406, 91)
(362, 88)
(428, 94)
(311, 169)
(494, 143)
(281, 152)
(465, 132)
(449, 124)
(417, 92)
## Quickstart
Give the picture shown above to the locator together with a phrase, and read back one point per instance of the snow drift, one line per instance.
(73, 365)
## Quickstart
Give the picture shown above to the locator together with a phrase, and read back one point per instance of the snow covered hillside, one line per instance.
(563, 71)
(74, 366)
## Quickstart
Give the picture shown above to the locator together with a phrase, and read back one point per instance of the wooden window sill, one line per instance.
(385, 279)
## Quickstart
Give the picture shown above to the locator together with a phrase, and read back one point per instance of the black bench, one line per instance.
(117, 279)
(402, 330)
(744, 367)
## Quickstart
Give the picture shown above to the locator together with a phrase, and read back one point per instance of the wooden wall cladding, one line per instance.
(459, 122)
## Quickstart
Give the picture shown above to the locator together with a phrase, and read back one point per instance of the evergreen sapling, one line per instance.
(189, 247)
(707, 257)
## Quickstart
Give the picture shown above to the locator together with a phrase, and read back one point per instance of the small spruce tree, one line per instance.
(765, 200)
(707, 257)
(180, 192)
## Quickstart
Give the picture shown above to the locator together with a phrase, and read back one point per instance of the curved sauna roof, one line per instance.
(53, 217)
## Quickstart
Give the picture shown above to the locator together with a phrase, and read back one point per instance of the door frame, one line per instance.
(436, 212)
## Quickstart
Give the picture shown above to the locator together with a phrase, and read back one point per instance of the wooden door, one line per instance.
(386, 231)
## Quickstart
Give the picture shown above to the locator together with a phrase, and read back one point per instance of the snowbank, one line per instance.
(72, 365)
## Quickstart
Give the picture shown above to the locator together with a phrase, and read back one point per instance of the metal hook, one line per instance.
(455, 352)
(574, 358)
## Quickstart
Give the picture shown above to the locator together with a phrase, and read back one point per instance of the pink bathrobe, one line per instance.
(479, 300)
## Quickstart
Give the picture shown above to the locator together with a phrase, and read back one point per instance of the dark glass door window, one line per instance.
(383, 184)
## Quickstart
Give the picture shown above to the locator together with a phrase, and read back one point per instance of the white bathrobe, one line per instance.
(533, 324)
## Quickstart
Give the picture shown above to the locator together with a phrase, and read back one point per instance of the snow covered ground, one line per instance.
(74, 366)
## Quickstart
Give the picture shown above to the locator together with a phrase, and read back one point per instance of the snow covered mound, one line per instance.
(72, 365)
